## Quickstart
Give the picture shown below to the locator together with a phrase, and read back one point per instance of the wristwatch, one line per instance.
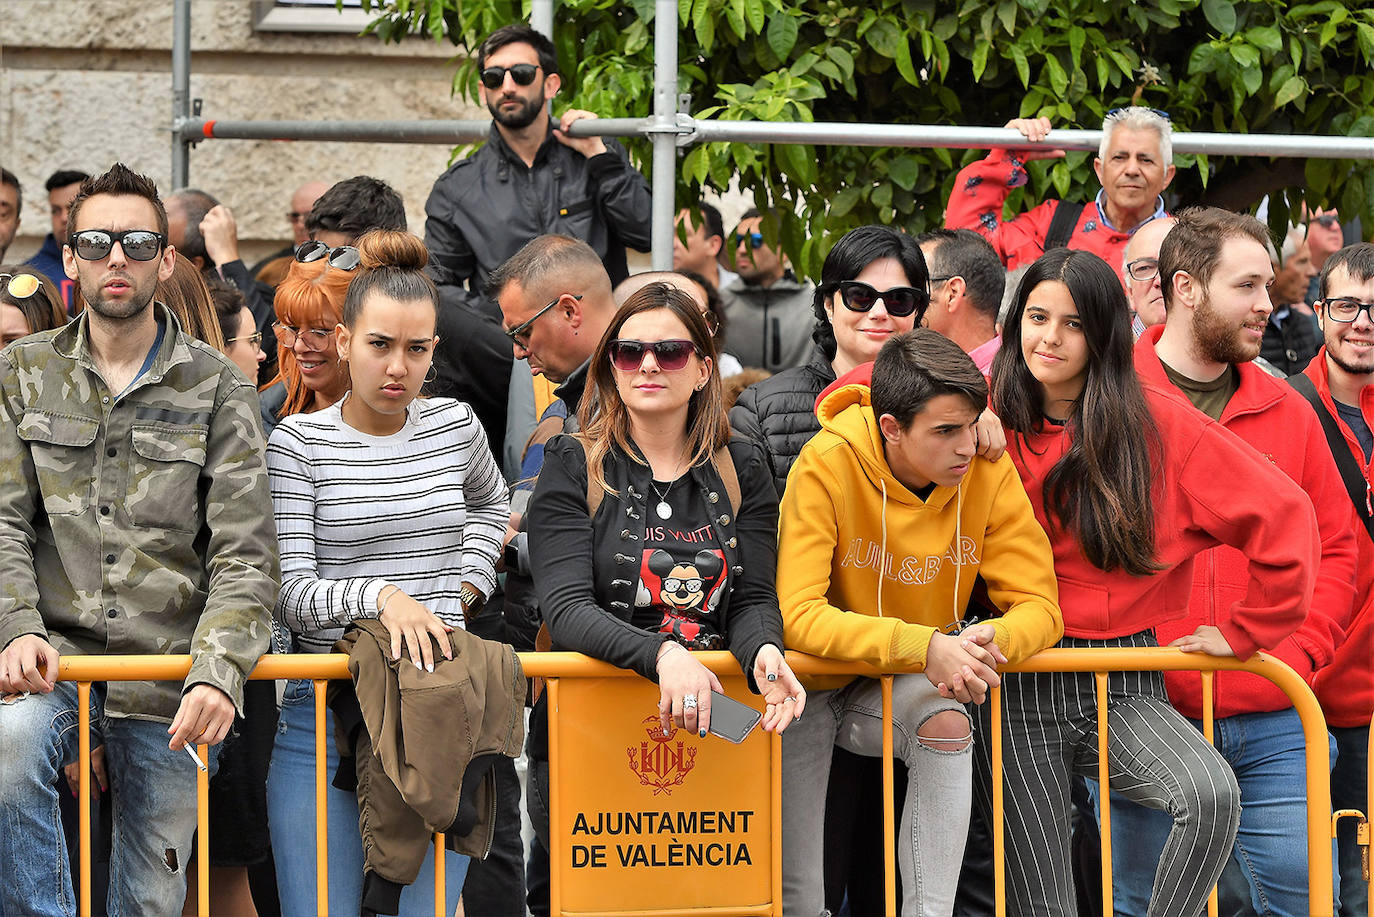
(472, 599)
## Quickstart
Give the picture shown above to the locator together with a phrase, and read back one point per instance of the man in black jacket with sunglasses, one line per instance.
(529, 179)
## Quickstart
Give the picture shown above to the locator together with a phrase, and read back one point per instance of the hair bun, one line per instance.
(390, 248)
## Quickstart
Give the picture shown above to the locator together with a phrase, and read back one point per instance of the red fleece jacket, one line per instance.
(1277, 422)
(1346, 686)
(980, 190)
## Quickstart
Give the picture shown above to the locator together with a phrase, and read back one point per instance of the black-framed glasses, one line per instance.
(899, 301)
(138, 244)
(342, 257)
(310, 338)
(1143, 269)
(1157, 111)
(671, 355)
(523, 74)
(254, 339)
(1346, 309)
(936, 281)
(20, 286)
(520, 334)
(755, 239)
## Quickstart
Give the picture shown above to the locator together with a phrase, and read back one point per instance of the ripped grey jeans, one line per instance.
(934, 823)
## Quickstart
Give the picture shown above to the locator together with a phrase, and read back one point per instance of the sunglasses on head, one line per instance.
(20, 286)
(138, 244)
(627, 356)
(523, 74)
(755, 239)
(899, 301)
(344, 257)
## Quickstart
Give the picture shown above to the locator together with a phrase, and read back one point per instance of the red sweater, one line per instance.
(1346, 686)
(1197, 506)
(1277, 422)
(980, 190)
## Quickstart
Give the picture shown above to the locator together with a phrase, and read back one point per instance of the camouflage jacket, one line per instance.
(135, 523)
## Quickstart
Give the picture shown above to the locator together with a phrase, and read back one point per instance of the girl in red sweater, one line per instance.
(1130, 483)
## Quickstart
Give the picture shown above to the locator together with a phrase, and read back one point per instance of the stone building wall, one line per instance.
(84, 83)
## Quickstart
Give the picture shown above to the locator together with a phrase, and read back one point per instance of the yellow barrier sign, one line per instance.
(635, 809)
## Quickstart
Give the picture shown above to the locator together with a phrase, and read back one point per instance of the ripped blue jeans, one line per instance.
(152, 791)
(934, 822)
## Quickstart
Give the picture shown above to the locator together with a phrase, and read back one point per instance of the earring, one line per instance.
(432, 375)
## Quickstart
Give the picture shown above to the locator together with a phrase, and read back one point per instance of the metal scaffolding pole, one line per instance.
(684, 130)
(663, 181)
(181, 92)
(541, 18)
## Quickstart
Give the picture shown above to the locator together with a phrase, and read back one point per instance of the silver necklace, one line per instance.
(664, 511)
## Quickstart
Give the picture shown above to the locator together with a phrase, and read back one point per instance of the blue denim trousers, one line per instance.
(1349, 790)
(152, 794)
(291, 820)
(1267, 874)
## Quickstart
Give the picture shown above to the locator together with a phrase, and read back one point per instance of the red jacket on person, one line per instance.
(1269, 415)
(1197, 506)
(1346, 686)
(980, 190)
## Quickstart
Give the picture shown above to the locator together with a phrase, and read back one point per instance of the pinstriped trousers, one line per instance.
(1155, 758)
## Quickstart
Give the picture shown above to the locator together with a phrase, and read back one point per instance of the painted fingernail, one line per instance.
(430, 668)
(772, 676)
(418, 666)
(665, 731)
(701, 733)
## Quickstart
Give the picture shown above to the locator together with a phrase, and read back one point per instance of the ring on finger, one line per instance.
(788, 699)
(689, 702)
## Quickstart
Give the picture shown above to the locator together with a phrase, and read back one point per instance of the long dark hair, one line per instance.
(1101, 490)
(604, 419)
(856, 250)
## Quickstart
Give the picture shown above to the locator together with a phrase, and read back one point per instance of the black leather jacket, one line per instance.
(779, 413)
(484, 209)
(588, 610)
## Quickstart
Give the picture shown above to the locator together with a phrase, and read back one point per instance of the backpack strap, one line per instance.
(1354, 480)
(1062, 224)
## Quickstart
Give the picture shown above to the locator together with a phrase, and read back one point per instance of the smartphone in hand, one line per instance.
(731, 720)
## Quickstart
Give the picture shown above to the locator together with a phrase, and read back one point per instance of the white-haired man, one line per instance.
(1134, 165)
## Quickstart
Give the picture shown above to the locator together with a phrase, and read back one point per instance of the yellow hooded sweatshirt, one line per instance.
(845, 516)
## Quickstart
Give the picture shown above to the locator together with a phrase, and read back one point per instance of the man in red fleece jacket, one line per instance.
(1343, 375)
(1215, 272)
(1134, 163)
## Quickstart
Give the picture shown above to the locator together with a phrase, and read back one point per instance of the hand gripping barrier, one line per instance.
(654, 766)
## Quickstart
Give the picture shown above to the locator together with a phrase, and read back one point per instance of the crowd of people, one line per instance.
(1115, 423)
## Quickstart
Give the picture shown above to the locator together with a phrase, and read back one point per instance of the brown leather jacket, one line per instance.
(423, 744)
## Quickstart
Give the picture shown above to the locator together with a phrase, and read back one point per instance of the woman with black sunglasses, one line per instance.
(665, 562)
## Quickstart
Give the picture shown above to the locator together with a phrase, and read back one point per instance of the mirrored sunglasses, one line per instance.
(138, 244)
(20, 286)
(523, 74)
(671, 356)
(899, 301)
(755, 239)
(344, 257)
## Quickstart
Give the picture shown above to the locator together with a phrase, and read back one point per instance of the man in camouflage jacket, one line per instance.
(134, 519)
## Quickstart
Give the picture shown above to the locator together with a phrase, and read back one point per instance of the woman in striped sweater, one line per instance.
(388, 506)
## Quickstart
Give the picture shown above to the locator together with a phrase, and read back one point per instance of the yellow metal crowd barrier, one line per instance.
(1321, 821)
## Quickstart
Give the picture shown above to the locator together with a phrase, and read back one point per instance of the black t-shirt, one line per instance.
(1355, 420)
(682, 575)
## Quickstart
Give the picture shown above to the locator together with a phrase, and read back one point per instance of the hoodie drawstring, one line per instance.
(958, 547)
(882, 552)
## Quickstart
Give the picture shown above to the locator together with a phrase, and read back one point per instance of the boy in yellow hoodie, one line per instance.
(888, 519)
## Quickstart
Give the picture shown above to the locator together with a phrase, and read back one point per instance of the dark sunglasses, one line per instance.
(1345, 309)
(20, 286)
(899, 301)
(1329, 220)
(344, 257)
(523, 74)
(671, 356)
(755, 239)
(138, 244)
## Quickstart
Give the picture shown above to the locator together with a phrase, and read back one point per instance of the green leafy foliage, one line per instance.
(1262, 66)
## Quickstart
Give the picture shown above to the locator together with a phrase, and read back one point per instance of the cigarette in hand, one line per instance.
(191, 750)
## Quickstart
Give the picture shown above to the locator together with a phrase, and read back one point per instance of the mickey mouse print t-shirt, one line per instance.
(682, 574)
